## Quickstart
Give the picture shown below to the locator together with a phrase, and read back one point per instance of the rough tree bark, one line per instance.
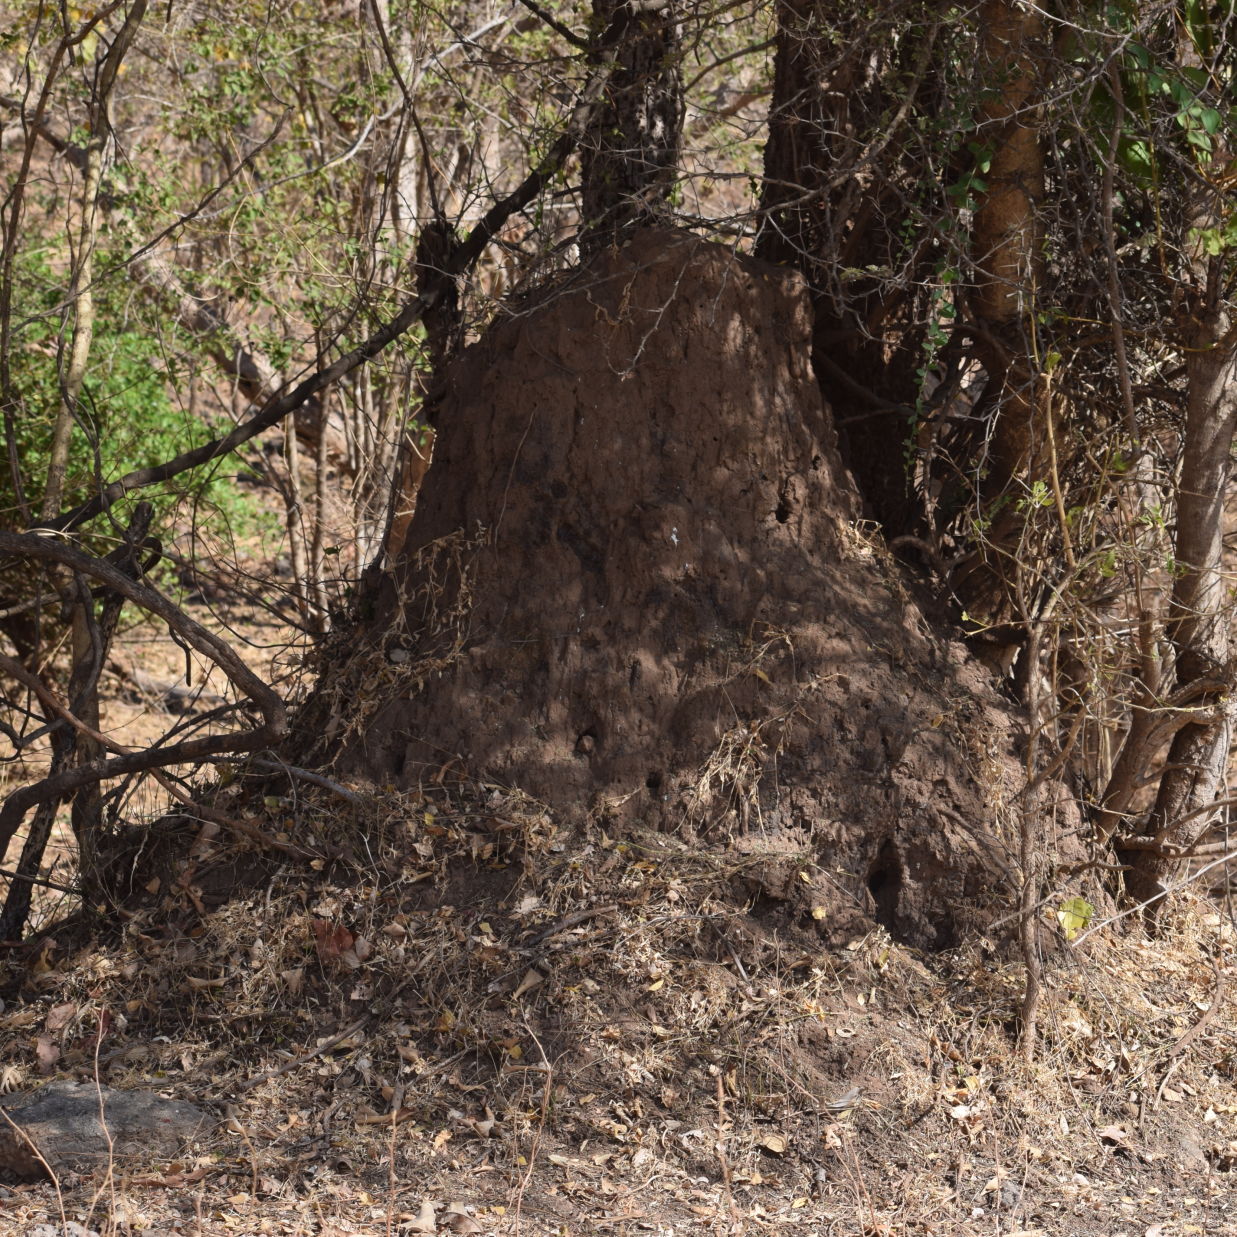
(1007, 260)
(842, 92)
(630, 153)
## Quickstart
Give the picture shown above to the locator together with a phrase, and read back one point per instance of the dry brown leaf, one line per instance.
(773, 1143)
(59, 1017)
(531, 979)
(458, 1220)
(47, 1052)
(331, 939)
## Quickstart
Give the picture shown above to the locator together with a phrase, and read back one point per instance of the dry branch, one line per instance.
(274, 718)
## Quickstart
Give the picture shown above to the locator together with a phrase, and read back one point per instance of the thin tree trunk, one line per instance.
(294, 522)
(1006, 230)
(1199, 618)
(317, 547)
(1007, 261)
(98, 157)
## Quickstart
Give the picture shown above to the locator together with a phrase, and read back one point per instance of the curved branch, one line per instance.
(56, 786)
(15, 670)
(461, 261)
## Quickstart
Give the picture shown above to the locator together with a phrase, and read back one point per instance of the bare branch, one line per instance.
(274, 716)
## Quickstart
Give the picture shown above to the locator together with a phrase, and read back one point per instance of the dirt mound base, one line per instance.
(632, 589)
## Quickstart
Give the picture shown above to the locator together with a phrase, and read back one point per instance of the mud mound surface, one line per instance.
(633, 588)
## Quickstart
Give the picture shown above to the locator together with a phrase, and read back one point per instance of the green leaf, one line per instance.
(1137, 159)
(1074, 915)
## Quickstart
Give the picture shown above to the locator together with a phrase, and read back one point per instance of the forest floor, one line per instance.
(443, 1008)
(436, 1011)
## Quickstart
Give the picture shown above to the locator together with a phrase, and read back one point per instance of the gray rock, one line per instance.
(61, 1120)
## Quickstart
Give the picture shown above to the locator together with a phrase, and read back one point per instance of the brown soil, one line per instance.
(634, 589)
(472, 1006)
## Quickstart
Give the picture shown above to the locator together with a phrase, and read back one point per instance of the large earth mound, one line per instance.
(634, 588)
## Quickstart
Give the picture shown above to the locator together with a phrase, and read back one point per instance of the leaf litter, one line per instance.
(453, 1016)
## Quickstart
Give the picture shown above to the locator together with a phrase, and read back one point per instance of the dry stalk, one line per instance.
(736, 1217)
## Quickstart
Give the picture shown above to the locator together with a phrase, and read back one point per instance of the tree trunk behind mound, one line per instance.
(631, 589)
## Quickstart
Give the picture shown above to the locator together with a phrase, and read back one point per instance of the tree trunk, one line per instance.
(829, 171)
(630, 154)
(1007, 263)
(1200, 613)
(1006, 231)
(1200, 617)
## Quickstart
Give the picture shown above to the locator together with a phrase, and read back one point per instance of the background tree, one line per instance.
(629, 159)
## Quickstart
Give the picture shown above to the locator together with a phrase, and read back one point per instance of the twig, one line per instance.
(571, 921)
(306, 775)
(557, 26)
(37, 880)
(327, 1044)
(736, 1219)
